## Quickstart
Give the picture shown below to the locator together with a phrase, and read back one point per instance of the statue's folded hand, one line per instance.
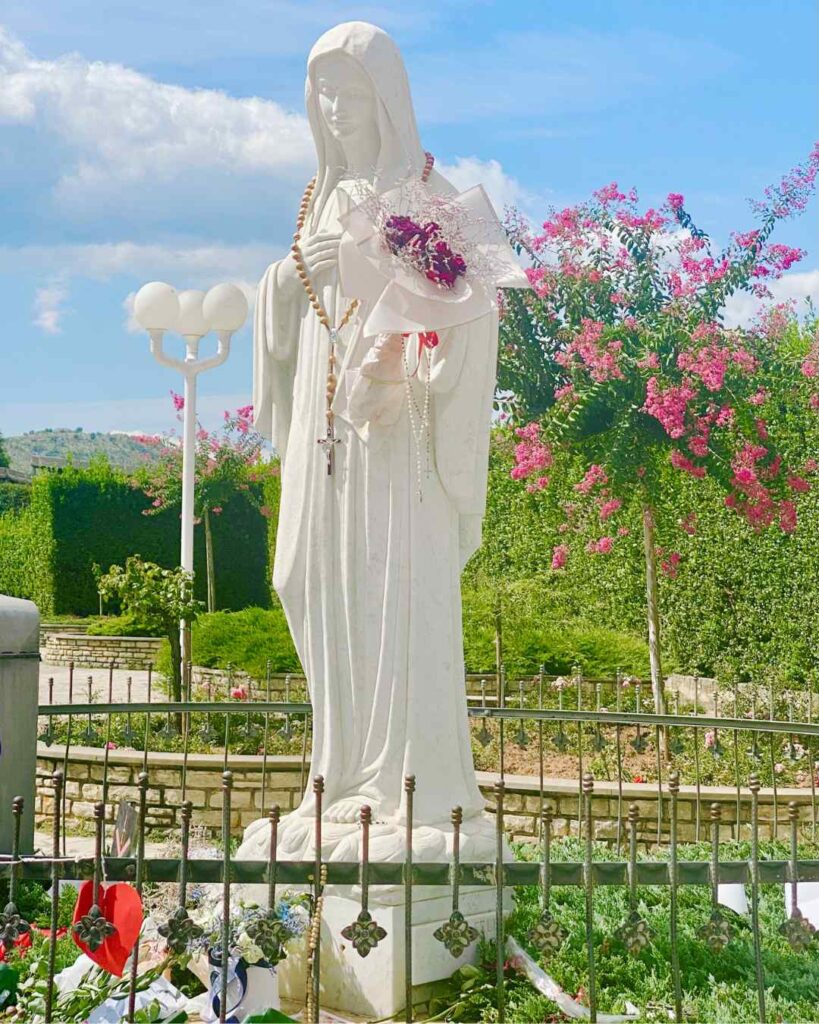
(318, 252)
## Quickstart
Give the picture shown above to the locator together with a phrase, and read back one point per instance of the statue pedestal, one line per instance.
(374, 986)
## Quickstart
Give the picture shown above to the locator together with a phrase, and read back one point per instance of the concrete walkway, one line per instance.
(99, 684)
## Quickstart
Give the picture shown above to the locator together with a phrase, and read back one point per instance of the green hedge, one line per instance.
(742, 603)
(79, 518)
(248, 638)
(245, 639)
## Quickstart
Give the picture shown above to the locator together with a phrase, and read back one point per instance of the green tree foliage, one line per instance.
(157, 599)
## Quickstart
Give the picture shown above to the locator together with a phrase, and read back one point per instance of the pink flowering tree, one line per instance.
(619, 356)
(227, 461)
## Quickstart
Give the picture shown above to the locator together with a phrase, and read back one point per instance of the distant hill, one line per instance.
(120, 449)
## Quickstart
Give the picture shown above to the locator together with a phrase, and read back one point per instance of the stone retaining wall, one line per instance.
(283, 787)
(48, 629)
(136, 652)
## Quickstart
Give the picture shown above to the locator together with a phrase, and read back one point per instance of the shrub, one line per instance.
(119, 625)
(14, 496)
(533, 635)
(159, 599)
(245, 639)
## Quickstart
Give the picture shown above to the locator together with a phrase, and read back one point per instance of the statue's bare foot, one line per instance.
(348, 809)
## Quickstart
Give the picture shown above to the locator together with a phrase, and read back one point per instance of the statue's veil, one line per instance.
(401, 154)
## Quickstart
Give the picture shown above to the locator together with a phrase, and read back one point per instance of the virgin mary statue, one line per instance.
(369, 553)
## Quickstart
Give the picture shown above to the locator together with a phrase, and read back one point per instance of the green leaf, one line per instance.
(267, 1016)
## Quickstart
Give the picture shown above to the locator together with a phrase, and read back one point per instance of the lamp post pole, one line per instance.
(192, 314)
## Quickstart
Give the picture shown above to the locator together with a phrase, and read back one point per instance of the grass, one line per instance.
(717, 987)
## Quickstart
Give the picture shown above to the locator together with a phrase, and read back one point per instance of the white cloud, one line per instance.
(742, 308)
(48, 307)
(185, 266)
(502, 188)
(181, 266)
(122, 127)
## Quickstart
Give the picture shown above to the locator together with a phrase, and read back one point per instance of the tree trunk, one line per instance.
(653, 607)
(499, 651)
(176, 664)
(209, 566)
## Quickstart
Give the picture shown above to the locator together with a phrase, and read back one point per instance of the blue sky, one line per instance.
(166, 139)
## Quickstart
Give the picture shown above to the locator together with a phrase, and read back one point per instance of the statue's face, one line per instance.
(346, 97)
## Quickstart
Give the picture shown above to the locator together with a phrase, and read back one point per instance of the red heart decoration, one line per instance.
(121, 905)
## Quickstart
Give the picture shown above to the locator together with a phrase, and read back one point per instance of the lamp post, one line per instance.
(193, 314)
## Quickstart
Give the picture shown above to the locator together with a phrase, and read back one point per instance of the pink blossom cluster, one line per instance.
(669, 405)
(670, 564)
(560, 555)
(776, 259)
(532, 457)
(587, 349)
(594, 476)
(772, 321)
(683, 463)
(601, 546)
(791, 194)
(752, 497)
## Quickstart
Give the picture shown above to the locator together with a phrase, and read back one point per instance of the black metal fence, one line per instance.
(605, 724)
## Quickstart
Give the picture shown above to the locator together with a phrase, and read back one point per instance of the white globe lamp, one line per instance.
(225, 308)
(192, 322)
(156, 307)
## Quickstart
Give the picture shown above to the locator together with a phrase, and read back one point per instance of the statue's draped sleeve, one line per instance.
(463, 383)
(275, 351)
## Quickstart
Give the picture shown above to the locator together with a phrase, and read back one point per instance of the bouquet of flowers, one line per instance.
(424, 260)
(424, 247)
(256, 935)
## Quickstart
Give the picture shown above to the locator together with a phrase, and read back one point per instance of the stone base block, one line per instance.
(374, 986)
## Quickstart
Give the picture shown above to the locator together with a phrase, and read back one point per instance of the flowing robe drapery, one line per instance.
(368, 572)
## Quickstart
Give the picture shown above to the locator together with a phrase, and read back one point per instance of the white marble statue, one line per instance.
(369, 553)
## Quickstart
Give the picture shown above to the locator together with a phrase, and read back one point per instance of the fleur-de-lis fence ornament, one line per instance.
(47, 736)
(180, 931)
(93, 928)
(483, 736)
(547, 935)
(364, 933)
(599, 743)
(287, 728)
(717, 931)
(522, 738)
(456, 934)
(270, 933)
(798, 930)
(634, 932)
(12, 925)
(561, 740)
